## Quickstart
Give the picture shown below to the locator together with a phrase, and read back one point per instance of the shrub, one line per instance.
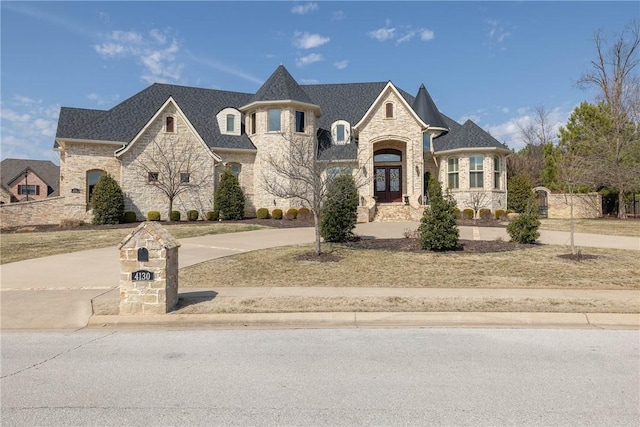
(501, 214)
(129, 217)
(212, 216)
(175, 215)
(520, 193)
(340, 211)
(229, 199)
(291, 214)
(304, 214)
(68, 223)
(524, 229)
(468, 214)
(107, 201)
(276, 214)
(438, 229)
(193, 215)
(456, 212)
(485, 214)
(153, 216)
(262, 213)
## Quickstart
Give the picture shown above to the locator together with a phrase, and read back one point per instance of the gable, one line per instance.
(378, 109)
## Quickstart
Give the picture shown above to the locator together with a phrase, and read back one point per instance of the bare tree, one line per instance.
(175, 168)
(613, 74)
(296, 173)
(477, 200)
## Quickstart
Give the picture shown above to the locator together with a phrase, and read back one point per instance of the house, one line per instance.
(169, 132)
(28, 180)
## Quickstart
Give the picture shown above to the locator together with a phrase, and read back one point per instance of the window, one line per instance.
(184, 177)
(389, 110)
(235, 169)
(253, 123)
(453, 172)
(29, 189)
(300, 121)
(92, 177)
(152, 177)
(274, 120)
(388, 155)
(169, 125)
(230, 122)
(340, 134)
(476, 171)
(496, 172)
(337, 170)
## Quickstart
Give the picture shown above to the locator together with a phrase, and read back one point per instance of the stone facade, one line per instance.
(37, 212)
(150, 249)
(245, 160)
(558, 205)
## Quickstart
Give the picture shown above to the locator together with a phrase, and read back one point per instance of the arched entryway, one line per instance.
(387, 164)
(542, 196)
(92, 178)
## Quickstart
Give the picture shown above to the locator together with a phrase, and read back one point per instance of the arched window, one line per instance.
(235, 169)
(389, 110)
(341, 132)
(169, 124)
(92, 177)
(387, 155)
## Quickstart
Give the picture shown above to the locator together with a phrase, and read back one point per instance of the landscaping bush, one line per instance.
(501, 214)
(524, 228)
(129, 217)
(69, 223)
(520, 193)
(212, 216)
(340, 211)
(304, 214)
(291, 214)
(438, 229)
(457, 213)
(468, 214)
(229, 199)
(175, 215)
(262, 213)
(153, 216)
(107, 201)
(276, 214)
(193, 215)
(485, 214)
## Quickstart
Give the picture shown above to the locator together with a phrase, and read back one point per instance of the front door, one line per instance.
(388, 184)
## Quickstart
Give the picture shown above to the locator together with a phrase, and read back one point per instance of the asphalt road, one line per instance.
(322, 377)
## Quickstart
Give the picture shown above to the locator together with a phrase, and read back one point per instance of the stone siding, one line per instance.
(584, 206)
(140, 195)
(37, 212)
(246, 160)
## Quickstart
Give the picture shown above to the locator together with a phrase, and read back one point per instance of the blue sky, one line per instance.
(491, 62)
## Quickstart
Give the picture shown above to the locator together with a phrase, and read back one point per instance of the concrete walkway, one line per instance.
(55, 292)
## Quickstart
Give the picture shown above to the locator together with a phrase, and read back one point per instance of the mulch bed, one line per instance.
(413, 245)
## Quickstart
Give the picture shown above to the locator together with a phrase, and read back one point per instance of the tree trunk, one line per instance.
(571, 224)
(316, 223)
(170, 209)
(622, 209)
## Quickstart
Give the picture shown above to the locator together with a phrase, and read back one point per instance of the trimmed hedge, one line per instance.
(129, 217)
(153, 216)
(213, 216)
(485, 214)
(291, 214)
(262, 213)
(276, 214)
(304, 214)
(175, 215)
(193, 215)
(501, 214)
(468, 214)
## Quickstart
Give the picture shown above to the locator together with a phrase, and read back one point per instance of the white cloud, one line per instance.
(338, 15)
(341, 65)
(497, 33)
(309, 59)
(426, 35)
(473, 117)
(309, 41)
(101, 100)
(403, 33)
(309, 81)
(383, 34)
(303, 9)
(225, 68)
(156, 51)
(505, 110)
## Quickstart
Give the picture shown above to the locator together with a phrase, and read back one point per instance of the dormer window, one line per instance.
(340, 132)
(388, 110)
(230, 122)
(169, 124)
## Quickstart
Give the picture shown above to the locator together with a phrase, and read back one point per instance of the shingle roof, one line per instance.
(281, 86)
(10, 169)
(469, 135)
(426, 109)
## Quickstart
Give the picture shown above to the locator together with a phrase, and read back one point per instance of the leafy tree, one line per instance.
(228, 199)
(524, 229)
(438, 229)
(107, 201)
(340, 209)
(520, 193)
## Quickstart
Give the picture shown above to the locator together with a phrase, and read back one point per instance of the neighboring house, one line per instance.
(376, 129)
(24, 180)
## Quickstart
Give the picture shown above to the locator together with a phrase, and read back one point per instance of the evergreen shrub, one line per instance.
(276, 214)
(262, 213)
(524, 229)
(175, 215)
(468, 214)
(438, 229)
(340, 211)
(153, 216)
(304, 214)
(129, 217)
(291, 214)
(107, 201)
(229, 199)
(485, 214)
(192, 215)
(212, 216)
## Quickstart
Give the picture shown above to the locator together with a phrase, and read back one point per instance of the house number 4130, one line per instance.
(142, 276)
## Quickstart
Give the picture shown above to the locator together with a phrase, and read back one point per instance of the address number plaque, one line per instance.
(142, 276)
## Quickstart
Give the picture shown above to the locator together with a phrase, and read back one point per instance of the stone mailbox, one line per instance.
(148, 270)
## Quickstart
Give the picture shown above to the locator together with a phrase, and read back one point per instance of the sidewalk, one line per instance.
(55, 292)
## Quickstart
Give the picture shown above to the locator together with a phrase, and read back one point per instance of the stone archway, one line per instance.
(542, 199)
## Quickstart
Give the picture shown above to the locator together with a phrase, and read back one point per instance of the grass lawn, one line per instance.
(612, 227)
(27, 245)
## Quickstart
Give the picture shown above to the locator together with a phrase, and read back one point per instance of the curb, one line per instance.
(373, 319)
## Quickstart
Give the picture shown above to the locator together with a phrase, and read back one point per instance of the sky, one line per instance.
(491, 62)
